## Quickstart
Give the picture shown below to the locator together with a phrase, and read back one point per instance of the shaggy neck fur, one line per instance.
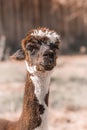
(35, 108)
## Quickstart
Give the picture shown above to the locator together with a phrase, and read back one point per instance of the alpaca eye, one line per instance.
(30, 48)
(53, 46)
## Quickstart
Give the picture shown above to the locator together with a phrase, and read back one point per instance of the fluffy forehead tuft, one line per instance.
(44, 32)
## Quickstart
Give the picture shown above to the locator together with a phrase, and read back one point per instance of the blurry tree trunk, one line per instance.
(2, 47)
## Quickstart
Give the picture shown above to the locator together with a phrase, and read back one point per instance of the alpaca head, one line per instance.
(39, 49)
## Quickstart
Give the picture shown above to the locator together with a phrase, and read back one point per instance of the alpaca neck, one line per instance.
(41, 84)
(35, 107)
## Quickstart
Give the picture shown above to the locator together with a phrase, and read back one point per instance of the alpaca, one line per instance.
(39, 50)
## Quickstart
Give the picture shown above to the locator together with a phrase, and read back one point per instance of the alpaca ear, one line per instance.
(18, 55)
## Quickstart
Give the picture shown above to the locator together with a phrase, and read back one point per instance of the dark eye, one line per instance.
(53, 46)
(32, 48)
(29, 47)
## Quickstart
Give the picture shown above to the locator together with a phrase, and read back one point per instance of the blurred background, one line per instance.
(68, 93)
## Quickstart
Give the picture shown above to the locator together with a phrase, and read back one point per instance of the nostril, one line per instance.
(51, 55)
(45, 54)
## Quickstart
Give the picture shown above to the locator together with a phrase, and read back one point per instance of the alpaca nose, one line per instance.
(49, 54)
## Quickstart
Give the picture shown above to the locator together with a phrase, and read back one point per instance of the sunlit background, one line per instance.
(68, 89)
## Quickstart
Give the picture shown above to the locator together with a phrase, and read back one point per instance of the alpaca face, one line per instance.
(41, 54)
(39, 49)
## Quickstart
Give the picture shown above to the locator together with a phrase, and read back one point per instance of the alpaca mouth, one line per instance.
(47, 67)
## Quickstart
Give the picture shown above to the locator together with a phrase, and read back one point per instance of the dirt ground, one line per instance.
(68, 92)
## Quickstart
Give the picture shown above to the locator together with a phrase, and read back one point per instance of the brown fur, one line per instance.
(41, 109)
(31, 114)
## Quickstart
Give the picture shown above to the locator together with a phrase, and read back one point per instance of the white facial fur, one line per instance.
(30, 69)
(41, 83)
(53, 36)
